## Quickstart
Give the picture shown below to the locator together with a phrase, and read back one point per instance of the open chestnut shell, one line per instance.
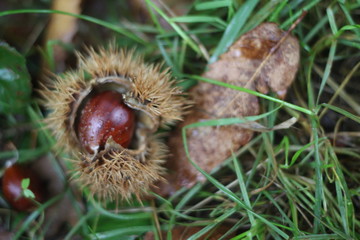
(106, 114)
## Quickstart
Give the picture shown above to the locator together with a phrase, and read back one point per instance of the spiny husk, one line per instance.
(59, 97)
(151, 86)
(120, 171)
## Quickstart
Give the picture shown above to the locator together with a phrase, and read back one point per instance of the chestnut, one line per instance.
(12, 189)
(105, 115)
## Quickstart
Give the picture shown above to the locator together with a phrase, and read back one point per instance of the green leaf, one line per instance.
(114, 27)
(28, 193)
(343, 112)
(212, 5)
(15, 87)
(25, 183)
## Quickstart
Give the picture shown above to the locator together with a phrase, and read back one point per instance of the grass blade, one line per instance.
(234, 27)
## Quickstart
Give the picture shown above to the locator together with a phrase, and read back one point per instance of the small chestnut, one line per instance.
(105, 115)
(107, 120)
(12, 190)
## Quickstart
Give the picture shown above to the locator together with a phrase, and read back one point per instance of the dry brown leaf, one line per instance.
(262, 59)
(62, 27)
(257, 127)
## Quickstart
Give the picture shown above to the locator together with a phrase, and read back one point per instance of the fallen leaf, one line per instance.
(62, 27)
(265, 58)
(257, 127)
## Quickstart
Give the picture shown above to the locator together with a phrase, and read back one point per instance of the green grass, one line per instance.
(301, 182)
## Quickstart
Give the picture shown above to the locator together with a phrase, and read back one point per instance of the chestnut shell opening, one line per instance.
(102, 115)
(87, 119)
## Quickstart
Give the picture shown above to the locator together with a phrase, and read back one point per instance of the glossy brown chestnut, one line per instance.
(105, 115)
(11, 187)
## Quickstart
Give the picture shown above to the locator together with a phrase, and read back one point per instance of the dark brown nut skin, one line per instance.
(105, 115)
(11, 187)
